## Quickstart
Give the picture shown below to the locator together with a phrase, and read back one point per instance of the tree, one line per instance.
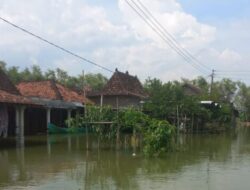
(50, 75)
(3, 65)
(95, 81)
(13, 73)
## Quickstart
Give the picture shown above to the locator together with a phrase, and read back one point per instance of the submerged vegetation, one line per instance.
(157, 134)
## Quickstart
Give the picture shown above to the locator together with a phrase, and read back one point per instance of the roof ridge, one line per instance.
(55, 88)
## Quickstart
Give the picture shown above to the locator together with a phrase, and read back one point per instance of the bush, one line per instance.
(157, 134)
(158, 137)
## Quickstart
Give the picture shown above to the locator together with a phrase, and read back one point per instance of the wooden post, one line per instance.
(69, 114)
(17, 121)
(118, 137)
(101, 101)
(134, 141)
(192, 125)
(117, 103)
(177, 115)
(20, 126)
(87, 138)
(22, 109)
(118, 131)
(233, 117)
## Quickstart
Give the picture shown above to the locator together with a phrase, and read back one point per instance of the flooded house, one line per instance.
(58, 103)
(122, 90)
(12, 108)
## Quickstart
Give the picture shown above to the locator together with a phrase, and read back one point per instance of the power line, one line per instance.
(55, 45)
(171, 36)
(229, 72)
(163, 36)
(232, 78)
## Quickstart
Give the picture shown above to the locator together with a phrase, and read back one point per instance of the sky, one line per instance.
(110, 33)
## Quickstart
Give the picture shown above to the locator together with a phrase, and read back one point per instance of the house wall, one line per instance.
(114, 101)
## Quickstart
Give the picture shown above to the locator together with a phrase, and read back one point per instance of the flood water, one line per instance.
(216, 162)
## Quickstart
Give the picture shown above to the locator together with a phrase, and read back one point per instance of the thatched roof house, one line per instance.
(122, 90)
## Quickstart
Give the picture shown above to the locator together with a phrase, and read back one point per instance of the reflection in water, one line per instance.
(80, 162)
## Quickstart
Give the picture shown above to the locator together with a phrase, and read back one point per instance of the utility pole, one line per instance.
(83, 83)
(178, 121)
(212, 82)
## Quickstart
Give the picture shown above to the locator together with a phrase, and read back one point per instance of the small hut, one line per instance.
(58, 104)
(122, 90)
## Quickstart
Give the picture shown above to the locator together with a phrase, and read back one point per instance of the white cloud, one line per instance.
(184, 27)
(230, 56)
(128, 44)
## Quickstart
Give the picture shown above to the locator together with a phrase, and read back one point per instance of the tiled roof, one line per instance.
(70, 95)
(123, 84)
(50, 90)
(9, 93)
(6, 97)
(190, 89)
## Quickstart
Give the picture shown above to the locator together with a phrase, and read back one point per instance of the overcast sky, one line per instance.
(109, 33)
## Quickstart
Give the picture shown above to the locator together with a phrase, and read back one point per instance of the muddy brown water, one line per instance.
(216, 162)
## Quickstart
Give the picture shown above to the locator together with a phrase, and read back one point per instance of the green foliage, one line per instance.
(157, 134)
(158, 137)
(76, 122)
(224, 114)
(166, 98)
(132, 119)
(93, 81)
(163, 98)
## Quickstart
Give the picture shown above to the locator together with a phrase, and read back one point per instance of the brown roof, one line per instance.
(50, 90)
(9, 93)
(6, 97)
(123, 84)
(190, 89)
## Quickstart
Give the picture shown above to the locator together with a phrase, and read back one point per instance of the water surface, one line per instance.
(216, 162)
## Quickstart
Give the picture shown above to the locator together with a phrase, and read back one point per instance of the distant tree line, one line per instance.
(164, 97)
(94, 81)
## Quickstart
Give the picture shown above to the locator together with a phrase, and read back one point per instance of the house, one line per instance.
(122, 90)
(12, 106)
(58, 104)
(191, 90)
